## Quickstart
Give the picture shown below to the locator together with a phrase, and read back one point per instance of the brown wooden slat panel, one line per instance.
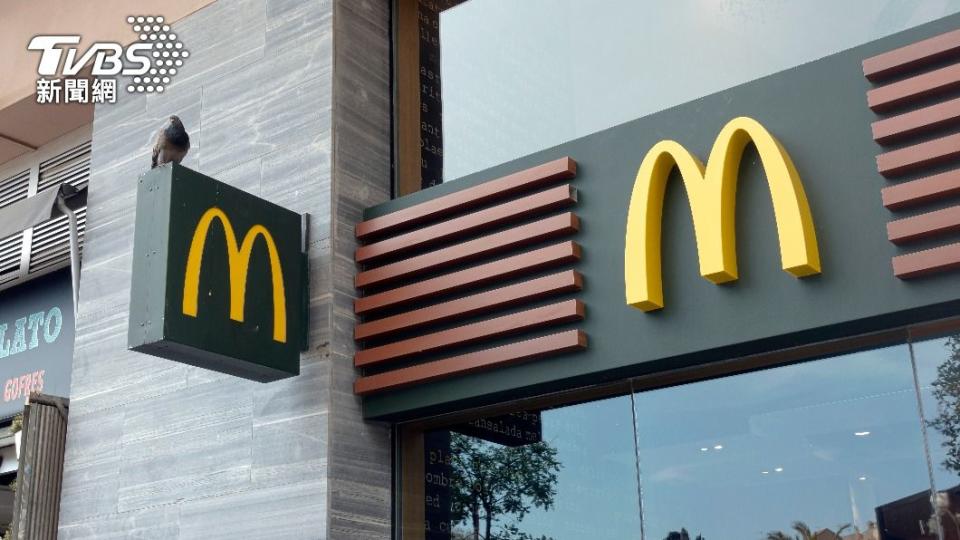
(514, 323)
(927, 262)
(922, 190)
(916, 122)
(911, 158)
(476, 276)
(912, 56)
(923, 226)
(511, 295)
(570, 340)
(903, 92)
(531, 233)
(482, 220)
(461, 201)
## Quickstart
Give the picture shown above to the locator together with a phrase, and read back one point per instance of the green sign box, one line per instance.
(219, 277)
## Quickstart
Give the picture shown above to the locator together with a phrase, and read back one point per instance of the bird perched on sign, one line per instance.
(172, 143)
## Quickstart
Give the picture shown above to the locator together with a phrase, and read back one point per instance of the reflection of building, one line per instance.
(947, 507)
(910, 518)
(872, 533)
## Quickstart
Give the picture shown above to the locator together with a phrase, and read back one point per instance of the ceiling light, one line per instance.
(718, 447)
(704, 449)
(862, 478)
(779, 469)
(764, 472)
(861, 433)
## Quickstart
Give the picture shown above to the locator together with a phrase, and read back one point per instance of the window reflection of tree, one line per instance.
(946, 390)
(491, 483)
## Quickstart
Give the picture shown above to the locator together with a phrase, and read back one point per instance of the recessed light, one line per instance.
(764, 472)
(861, 433)
(704, 449)
(718, 447)
(779, 469)
(862, 478)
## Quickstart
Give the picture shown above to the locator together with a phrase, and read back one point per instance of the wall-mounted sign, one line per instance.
(495, 318)
(36, 340)
(219, 277)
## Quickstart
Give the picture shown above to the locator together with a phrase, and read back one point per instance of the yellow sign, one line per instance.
(238, 259)
(712, 192)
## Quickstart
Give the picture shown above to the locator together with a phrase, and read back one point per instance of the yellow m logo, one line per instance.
(238, 259)
(712, 192)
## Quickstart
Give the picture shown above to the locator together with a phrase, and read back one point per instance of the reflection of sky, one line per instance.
(801, 420)
(522, 76)
(597, 486)
(734, 458)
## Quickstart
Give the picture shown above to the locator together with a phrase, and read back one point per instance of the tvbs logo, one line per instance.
(150, 62)
(712, 191)
(107, 58)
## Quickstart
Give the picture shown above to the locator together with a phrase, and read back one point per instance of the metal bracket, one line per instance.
(305, 269)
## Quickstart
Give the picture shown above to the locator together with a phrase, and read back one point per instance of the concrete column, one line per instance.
(289, 100)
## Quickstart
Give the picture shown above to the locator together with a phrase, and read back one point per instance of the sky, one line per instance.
(518, 77)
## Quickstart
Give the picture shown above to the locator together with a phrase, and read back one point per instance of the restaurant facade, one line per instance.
(449, 270)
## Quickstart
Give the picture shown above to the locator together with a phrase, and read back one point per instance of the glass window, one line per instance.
(815, 450)
(518, 77)
(832, 449)
(561, 474)
(843, 448)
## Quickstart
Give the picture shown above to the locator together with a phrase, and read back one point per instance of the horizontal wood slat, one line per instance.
(923, 226)
(522, 321)
(916, 122)
(510, 218)
(486, 219)
(927, 262)
(485, 302)
(912, 56)
(908, 159)
(922, 190)
(912, 91)
(476, 276)
(498, 357)
(463, 200)
(538, 231)
(903, 92)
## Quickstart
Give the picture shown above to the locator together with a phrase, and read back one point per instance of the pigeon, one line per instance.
(172, 143)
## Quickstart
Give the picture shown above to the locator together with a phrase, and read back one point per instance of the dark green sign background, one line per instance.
(819, 113)
(170, 203)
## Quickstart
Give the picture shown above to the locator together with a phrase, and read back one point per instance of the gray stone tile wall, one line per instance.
(289, 100)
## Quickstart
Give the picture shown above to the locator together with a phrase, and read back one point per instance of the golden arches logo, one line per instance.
(712, 191)
(238, 260)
